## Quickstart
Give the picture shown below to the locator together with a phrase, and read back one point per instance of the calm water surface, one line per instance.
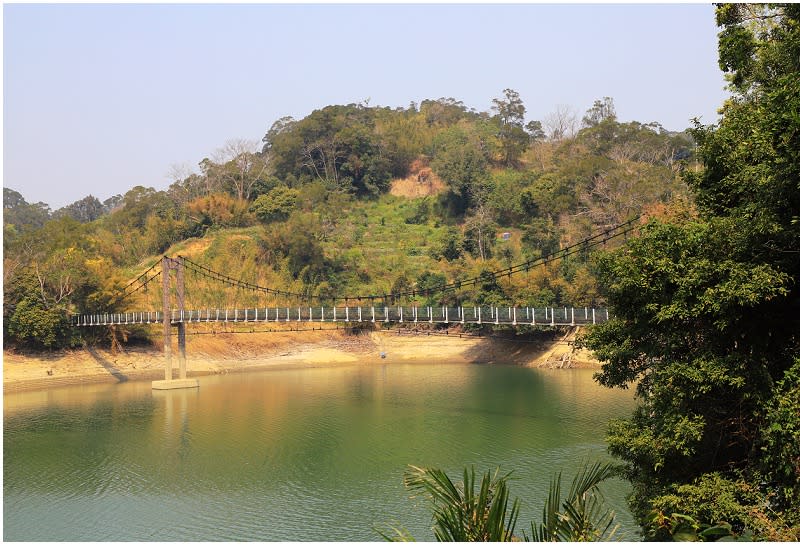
(293, 455)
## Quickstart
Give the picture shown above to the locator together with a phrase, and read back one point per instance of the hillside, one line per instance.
(350, 201)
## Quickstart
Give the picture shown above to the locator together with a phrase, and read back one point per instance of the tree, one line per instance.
(450, 246)
(602, 110)
(561, 123)
(443, 111)
(480, 231)
(295, 247)
(53, 275)
(85, 210)
(511, 118)
(541, 237)
(429, 286)
(459, 160)
(336, 145)
(400, 286)
(21, 214)
(239, 166)
(535, 130)
(275, 205)
(705, 305)
(31, 317)
(621, 191)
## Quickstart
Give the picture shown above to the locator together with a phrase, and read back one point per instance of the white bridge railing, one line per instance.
(539, 316)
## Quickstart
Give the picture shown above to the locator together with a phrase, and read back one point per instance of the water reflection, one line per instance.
(313, 454)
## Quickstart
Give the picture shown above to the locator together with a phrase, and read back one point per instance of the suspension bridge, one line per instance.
(379, 308)
(547, 316)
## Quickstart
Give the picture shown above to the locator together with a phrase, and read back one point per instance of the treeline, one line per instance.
(706, 300)
(316, 190)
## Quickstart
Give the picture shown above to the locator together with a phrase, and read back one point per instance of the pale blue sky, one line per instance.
(100, 98)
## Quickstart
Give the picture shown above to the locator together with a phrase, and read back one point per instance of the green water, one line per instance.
(291, 455)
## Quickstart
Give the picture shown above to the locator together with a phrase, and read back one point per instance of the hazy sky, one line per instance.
(101, 98)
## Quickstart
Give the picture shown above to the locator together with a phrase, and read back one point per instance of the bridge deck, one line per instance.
(541, 316)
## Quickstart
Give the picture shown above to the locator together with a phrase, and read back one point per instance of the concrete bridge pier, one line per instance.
(170, 383)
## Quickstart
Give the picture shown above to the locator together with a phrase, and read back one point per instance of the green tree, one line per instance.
(602, 110)
(33, 320)
(275, 205)
(459, 160)
(540, 238)
(509, 198)
(511, 121)
(295, 247)
(21, 214)
(429, 286)
(444, 112)
(85, 210)
(336, 145)
(450, 246)
(401, 285)
(49, 273)
(705, 309)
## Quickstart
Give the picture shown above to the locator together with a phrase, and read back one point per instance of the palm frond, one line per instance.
(582, 515)
(462, 512)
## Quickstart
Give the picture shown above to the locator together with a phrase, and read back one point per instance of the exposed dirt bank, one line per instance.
(212, 351)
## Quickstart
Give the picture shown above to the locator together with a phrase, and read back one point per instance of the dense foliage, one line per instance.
(706, 307)
(310, 212)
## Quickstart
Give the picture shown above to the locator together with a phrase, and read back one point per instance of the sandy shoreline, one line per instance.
(226, 352)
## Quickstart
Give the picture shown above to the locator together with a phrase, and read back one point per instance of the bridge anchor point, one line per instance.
(175, 383)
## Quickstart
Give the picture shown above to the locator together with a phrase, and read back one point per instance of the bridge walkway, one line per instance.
(527, 316)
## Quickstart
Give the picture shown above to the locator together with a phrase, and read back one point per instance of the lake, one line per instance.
(292, 455)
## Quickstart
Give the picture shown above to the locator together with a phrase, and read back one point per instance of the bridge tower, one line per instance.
(168, 265)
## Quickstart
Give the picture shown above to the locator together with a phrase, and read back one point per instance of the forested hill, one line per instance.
(355, 199)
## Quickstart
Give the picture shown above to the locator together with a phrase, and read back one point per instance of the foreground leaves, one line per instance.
(463, 513)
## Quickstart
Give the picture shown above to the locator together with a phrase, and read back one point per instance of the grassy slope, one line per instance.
(371, 240)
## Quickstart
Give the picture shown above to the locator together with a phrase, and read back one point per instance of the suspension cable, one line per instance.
(580, 246)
